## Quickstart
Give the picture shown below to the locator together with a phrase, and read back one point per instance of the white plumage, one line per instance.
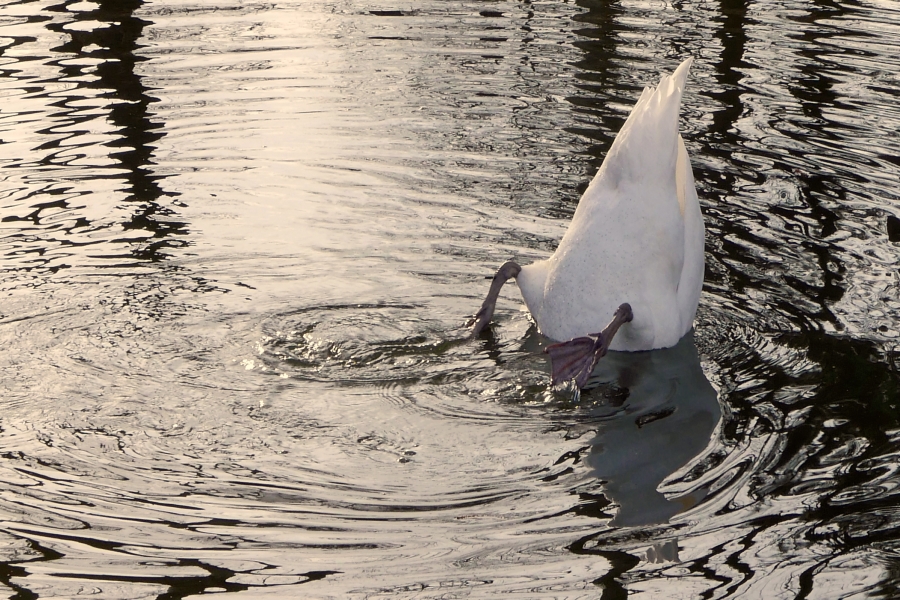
(636, 237)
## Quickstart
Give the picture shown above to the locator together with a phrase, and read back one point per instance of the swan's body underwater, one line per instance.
(634, 248)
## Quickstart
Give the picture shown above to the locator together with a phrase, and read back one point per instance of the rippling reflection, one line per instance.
(669, 413)
(80, 178)
(241, 239)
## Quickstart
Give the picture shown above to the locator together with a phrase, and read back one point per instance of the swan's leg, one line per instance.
(577, 358)
(483, 316)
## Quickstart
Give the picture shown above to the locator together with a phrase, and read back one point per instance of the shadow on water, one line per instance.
(667, 412)
(115, 42)
(599, 79)
(804, 460)
(670, 411)
(96, 82)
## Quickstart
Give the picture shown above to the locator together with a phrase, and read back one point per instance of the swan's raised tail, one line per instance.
(626, 242)
(653, 123)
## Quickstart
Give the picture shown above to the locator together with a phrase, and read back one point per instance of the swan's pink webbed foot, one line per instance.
(577, 358)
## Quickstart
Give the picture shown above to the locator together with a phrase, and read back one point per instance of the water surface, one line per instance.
(241, 240)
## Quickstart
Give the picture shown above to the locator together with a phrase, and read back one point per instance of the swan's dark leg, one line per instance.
(577, 358)
(483, 316)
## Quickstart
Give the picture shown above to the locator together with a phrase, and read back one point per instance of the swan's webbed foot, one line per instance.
(577, 358)
(483, 316)
(574, 359)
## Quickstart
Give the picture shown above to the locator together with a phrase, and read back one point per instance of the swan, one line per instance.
(634, 248)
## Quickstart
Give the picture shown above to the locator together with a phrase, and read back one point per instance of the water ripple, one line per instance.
(241, 243)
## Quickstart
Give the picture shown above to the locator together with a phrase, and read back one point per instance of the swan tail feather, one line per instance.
(652, 124)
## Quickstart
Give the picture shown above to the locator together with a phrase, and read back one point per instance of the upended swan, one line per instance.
(634, 248)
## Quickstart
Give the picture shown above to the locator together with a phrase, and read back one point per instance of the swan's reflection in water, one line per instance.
(669, 414)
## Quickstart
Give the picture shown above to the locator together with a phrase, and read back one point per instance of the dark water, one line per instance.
(240, 241)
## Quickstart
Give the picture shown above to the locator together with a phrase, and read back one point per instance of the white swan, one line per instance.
(634, 248)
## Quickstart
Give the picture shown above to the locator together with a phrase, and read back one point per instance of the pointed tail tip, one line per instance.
(671, 86)
(680, 74)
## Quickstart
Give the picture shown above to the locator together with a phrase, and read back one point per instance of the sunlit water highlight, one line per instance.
(240, 242)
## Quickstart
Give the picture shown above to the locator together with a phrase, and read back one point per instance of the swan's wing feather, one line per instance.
(693, 267)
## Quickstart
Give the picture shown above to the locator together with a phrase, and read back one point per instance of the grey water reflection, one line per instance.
(669, 411)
